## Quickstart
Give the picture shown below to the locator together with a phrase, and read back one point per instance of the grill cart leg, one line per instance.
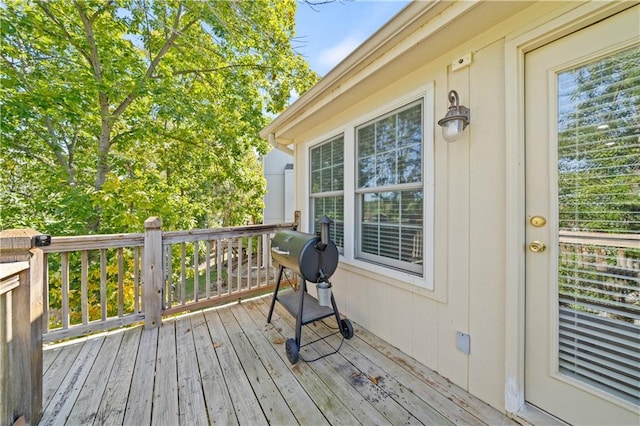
(303, 290)
(275, 293)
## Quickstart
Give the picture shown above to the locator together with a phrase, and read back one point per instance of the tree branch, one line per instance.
(175, 33)
(53, 143)
(88, 28)
(104, 7)
(66, 34)
(225, 67)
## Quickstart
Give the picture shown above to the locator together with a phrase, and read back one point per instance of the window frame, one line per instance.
(348, 259)
(313, 196)
(361, 192)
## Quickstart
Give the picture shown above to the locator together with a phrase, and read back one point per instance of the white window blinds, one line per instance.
(599, 222)
(327, 184)
(390, 189)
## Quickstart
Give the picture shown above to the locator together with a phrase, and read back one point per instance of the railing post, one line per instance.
(153, 274)
(24, 320)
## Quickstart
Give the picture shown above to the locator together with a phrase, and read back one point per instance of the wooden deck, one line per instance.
(227, 366)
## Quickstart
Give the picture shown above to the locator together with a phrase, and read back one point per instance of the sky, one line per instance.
(327, 33)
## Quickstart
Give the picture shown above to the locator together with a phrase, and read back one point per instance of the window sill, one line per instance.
(422, 286)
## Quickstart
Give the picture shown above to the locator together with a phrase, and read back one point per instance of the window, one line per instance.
(389, 190)
(327, 185)
(379, 170)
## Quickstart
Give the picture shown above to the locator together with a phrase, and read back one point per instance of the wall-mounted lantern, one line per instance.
(456, 119)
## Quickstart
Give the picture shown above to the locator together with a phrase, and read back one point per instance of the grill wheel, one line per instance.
(346, 329)
(292, 350)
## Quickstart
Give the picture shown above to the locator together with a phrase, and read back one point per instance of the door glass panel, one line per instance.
(599, 224)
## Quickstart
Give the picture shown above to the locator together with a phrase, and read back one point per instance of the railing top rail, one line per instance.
(8, 272)
(12, 268)
(96, 242)
(600, 239)
(93, 242)
(173, 237)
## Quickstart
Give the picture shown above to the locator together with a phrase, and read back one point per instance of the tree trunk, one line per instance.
(102, 164)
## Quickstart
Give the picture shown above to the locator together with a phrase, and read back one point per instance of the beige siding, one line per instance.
(487, 225)
(469, 292)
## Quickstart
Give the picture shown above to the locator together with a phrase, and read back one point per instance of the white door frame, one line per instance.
(540, 32)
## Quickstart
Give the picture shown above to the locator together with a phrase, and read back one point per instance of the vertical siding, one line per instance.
(487, 226)
(425, 330)
(454, 316)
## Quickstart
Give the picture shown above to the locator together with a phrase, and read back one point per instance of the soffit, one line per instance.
(420, 33)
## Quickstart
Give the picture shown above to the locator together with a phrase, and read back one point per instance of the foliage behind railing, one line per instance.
(94, 283)
(97, 282)
(600, 273)
(218, 265)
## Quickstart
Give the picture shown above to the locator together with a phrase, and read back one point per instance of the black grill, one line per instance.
(315, 259)
(305, 255)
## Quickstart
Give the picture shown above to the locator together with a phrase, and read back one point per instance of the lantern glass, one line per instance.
(452, 130)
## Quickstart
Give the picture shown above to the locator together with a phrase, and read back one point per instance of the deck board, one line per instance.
(345, 404)
(428, 405)
(451, 392)
(139, 403)
(246, 406)
(165, 390)
(58, 369)
(274, 406)
(193, 409)
(394, 387)
(86, 406)
(323, 397)
(338, 373)
(228, 366)
(219, 405)
(49, 357)
(62, 402)
(299, 401)
(114, 400)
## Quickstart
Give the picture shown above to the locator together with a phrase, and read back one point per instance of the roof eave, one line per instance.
(381, 41)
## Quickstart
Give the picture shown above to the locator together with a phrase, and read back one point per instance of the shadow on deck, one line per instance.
(228, 366)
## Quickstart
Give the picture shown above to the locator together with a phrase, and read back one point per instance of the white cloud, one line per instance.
(330, 57)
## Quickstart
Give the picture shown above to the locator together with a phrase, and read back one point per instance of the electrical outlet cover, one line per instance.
(463, 342)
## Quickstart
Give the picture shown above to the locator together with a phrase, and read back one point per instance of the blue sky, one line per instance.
(327, 33)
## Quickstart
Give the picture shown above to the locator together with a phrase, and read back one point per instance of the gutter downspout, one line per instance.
(278, 145)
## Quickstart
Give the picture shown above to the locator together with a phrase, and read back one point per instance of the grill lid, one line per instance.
(305, 254)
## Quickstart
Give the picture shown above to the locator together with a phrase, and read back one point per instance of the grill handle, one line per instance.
(280, 252)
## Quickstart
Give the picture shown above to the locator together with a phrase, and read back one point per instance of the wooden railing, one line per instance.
(216, 264)
(86, 279)
(602, 251)
(600, 273)
(106, 281)
(20, 328)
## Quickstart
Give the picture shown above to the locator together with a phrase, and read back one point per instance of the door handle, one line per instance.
(537, 246)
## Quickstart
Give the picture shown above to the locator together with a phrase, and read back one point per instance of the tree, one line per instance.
(115, 111)
(599, 185)
(599, 145)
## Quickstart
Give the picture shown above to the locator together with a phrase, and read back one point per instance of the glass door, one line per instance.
(583, 226)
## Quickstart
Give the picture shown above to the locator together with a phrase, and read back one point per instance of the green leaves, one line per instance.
(116, 111)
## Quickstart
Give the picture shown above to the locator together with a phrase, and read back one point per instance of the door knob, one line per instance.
(537, 246)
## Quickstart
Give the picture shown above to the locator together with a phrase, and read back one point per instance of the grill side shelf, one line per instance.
(311, 311)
